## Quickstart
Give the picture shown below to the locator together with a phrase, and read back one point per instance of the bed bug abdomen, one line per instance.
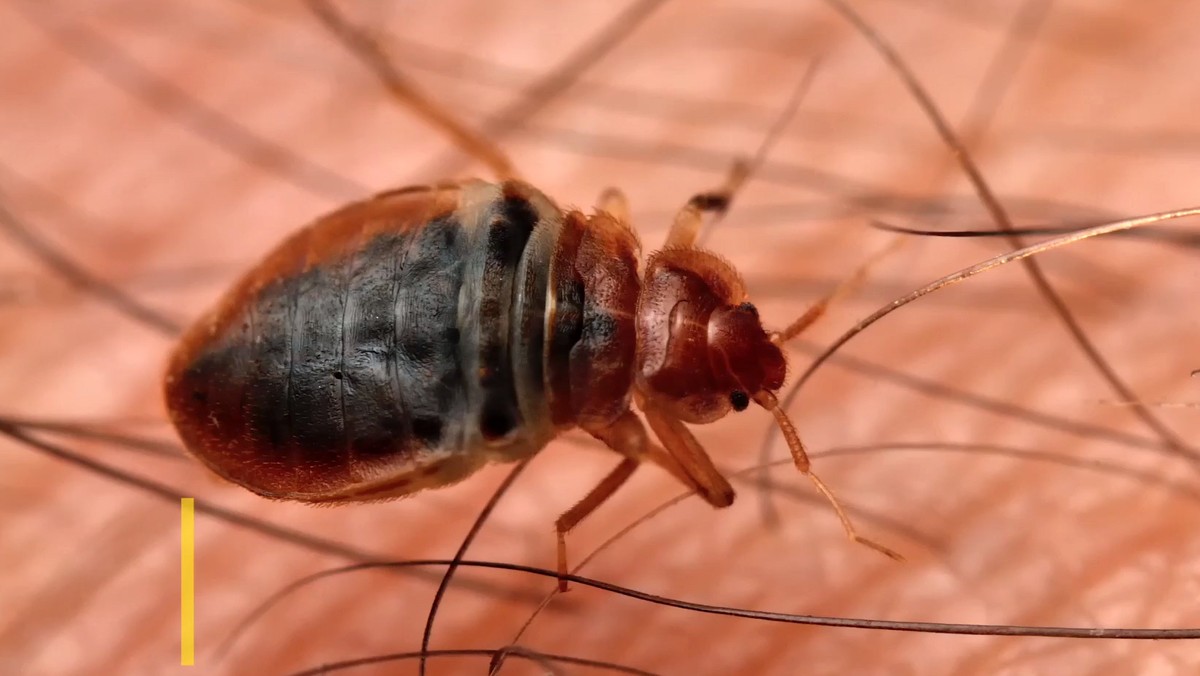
(362, 359)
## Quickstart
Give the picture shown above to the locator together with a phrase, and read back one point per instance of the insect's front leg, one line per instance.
(685, 229)
(687, 452)
(614, 202)
(845, 287)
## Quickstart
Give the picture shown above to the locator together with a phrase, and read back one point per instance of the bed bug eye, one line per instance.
(739, 399)
(748, 307)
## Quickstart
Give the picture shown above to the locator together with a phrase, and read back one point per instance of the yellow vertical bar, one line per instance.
(187, 582)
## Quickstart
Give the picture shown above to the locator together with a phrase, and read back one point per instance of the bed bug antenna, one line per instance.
(800, 457)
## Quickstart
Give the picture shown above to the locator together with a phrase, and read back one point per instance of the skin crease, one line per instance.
(1096, 118)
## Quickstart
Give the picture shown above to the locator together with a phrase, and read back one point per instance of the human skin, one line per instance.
(1097, 124)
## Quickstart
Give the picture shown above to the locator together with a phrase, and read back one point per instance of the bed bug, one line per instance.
(402, 342)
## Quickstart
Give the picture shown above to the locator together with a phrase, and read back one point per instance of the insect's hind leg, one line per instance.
(368, 50)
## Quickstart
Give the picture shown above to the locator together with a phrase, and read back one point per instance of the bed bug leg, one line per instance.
(596, 497)
(687, 451)
(846, 287)
(685, 229)
(800, 456)
(688, 228)
(614, 202)
(627, 436)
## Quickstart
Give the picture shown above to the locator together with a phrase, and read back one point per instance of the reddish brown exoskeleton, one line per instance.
(402, 342)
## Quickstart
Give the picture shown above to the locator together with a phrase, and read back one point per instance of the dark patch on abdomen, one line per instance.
(507, 236)
(355, 358)
(567, 325)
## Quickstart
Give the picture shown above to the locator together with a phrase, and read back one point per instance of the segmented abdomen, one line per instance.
(393, 345)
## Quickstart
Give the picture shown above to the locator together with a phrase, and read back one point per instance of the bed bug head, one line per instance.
(743, 358)
(702, 349)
